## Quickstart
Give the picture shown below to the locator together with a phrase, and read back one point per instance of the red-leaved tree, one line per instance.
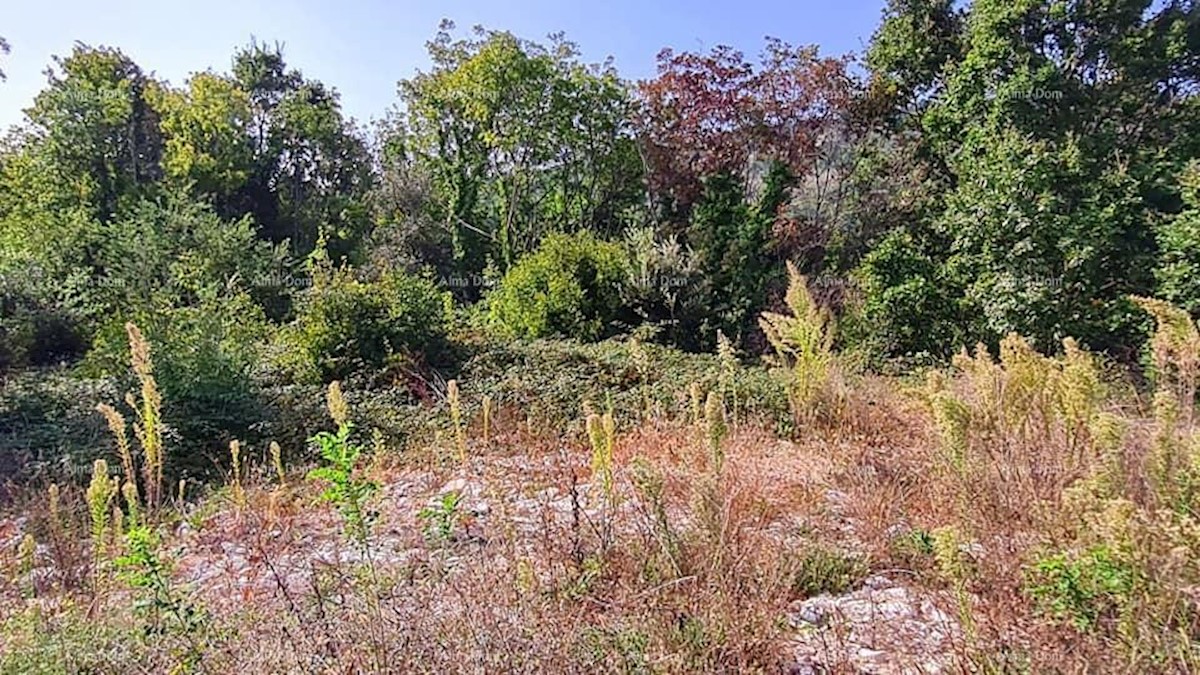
(711, 113)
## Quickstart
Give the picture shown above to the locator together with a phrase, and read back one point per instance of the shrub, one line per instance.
(820, 569)
(1178, 270)
(48, 423)
(204, 357)
(730, 232)
(906, 306)
(35, 331)
(1080, 588)
(665, 288)
(571, 287)
(344, 325)
(550, 380)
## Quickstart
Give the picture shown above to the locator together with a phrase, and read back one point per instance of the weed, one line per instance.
(441, 518)
(714, 417)
(820, 569)
(1082, 587)
(277, 463)
(99, 497)
(148, 428)
(235, 475)
(487, 420)
(346, 488)
(167, 611)
(727, 358)
(26, 561)
(803, 344)
(456, 419)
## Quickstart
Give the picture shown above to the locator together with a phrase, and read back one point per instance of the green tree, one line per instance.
(205, 129)
(186, 278)
(89, 149)
(90, 145)
(1057, 130)
(734, 249)
(1178, 271)
(311, 170)
(520, 140)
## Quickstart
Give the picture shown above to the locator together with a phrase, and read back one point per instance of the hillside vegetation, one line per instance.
(801, 363)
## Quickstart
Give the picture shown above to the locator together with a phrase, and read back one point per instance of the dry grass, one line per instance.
(538, 552)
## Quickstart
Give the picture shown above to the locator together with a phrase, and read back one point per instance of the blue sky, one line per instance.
(362, 47)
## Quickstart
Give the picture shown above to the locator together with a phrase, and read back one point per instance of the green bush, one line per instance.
(1081, 588)
(1178, 272)
(205, 357)
(906, 307)
(730, 234)
(344, 325)
(570, 287)
(820, 569)
(41, 320)
(35, 331)
(49, 425)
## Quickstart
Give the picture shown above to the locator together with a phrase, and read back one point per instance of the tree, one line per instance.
(1178, 271)
(519, 140)
(208, 147)
(1056, 130)
(311, 170)
(90, 148)
(718, 113)
(91, 134)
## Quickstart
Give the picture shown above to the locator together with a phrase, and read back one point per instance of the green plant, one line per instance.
(148, 407)
(456, 419)
(441, 518)
(1178, 270)
(820, 569)
(48, 421)
(570, 286)
(1081, 588)
(1174, 465)
(549, 379)
(618, 650)
(167, 611)
(345, 324)
(717, 429)
(346, 488)
(803, 345)
(235, 473)
(956, 567)
(100, 494)
(649, 483)
(727, 357)
(912, 545)
(730, 235)
(276, 463)
(26, 560)
(602, 436)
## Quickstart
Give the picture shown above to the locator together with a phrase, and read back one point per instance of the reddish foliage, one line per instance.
(706, 114)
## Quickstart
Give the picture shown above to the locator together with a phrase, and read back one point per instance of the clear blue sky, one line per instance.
(362, 47)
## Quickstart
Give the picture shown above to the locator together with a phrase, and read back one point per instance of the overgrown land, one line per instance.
(801, 363)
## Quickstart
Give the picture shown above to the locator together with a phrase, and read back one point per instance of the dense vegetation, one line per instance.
(726, 254)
